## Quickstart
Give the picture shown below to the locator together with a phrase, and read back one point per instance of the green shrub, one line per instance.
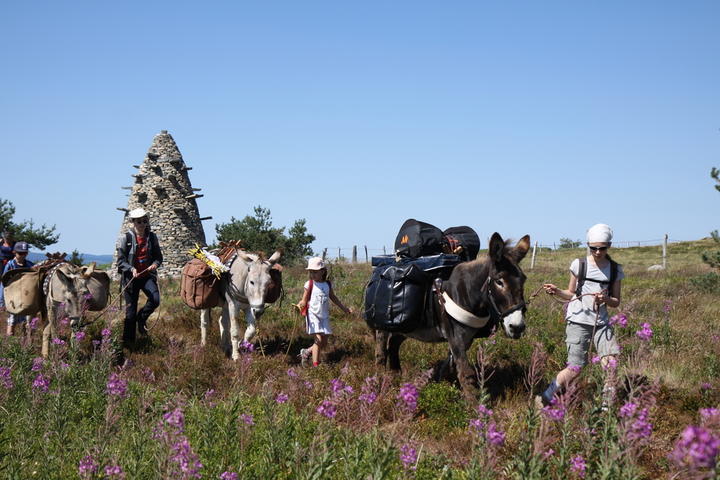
(708, 283)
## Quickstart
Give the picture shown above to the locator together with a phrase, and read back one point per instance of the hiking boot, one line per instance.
(305, 356)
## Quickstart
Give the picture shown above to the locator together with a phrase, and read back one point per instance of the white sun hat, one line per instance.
(137, 213)
(315, 263)
(599, 233)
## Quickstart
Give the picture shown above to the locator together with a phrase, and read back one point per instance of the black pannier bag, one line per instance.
(416, 239)
(397, 293)
(464, 238)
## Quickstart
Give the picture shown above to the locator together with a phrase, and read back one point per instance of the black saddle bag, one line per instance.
(397, 293)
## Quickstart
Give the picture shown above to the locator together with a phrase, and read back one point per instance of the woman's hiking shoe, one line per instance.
(305, 356)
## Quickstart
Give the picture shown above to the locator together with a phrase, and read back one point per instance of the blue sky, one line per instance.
(517, 117)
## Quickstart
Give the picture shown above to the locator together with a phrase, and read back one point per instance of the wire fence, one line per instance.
(363, 253)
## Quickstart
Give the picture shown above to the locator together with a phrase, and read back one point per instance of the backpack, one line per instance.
(199, 288)
(463, 241)
(416, 239)
(582, 272)
(275, 289)
(398, 291)
(23, 290)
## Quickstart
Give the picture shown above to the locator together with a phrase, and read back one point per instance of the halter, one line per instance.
(488, 293)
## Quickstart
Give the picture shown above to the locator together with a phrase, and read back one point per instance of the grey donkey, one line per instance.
(243, 288)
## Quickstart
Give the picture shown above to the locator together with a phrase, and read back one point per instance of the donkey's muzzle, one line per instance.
(257, 310)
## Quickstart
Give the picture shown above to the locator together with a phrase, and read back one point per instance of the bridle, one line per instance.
(490, 298)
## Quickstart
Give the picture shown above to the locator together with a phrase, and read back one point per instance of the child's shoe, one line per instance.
(305, 356)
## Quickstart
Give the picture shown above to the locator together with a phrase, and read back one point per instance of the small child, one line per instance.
(315, 306)
(19, 261)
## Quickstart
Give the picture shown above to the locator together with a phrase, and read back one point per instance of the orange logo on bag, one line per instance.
(404, 239)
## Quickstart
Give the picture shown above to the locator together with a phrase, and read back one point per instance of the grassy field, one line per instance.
(175, 410)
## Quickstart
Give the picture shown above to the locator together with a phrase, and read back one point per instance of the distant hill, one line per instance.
(87, 257)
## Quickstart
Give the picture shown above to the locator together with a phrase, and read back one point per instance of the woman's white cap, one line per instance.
(600, 233)
(315, 263)
(137, 213)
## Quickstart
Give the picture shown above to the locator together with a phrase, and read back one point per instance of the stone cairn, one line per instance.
(162, 187)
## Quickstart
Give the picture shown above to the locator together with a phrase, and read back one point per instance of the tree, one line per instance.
(76, 258)
(26, 230)
(712, 258)
(257, 234)
(569, 243)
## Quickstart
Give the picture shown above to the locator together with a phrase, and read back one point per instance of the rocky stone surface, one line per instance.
(162, 187)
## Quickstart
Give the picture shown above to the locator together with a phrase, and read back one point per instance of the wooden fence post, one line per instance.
(324, 253)
(664, 250)
(384, 252)
(367, 260)
(354, 254)
(338, 258)
(532, 260)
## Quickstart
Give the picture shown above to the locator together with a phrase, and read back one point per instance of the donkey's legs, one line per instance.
(381, 347)
(48, 316)
(233, 311)
(394, 350)
(460, 340)
(224, 324)
(205, 318)
(250, 320)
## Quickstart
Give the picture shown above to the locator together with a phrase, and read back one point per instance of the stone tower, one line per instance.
(162, 187)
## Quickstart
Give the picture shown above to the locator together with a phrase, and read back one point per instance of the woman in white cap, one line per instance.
(594, 285)
(315, 305)
(138, 259)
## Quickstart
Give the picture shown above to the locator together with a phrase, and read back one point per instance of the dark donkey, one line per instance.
(477, 296)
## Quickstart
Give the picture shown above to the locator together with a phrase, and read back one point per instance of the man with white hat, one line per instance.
(139, 256)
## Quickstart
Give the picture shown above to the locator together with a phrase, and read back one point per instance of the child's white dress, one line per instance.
(318, 316)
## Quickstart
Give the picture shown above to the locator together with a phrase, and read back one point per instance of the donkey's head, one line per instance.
(506, 282)
(258, 280)
(70, 287)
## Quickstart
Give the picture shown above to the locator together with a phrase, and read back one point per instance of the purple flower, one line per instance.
(476, 425)
(327, 409)
(114, 471)
(574, 368)
(308, 385)
(229, 476)
(338, 387)
(176, 419)
(116, 386)
(187, 460)
(645, 333)
(41, 383)
(595, 359)
(408, 397)
(368, 398)
(697, 448)
(484, 411)
(578, 465)
(292, 373)
(105, 332)
(79, 336)
(247, 347)
(706, 386)
(34, 323)
(6, 377)
(64, 365)
(87, 467)
(281, 397)
(628, 410)
(555, 411)
(494, 436)
(58, 341)
(667, 306)
(247, 419)
(368, 390)
(640, 428)
(548, 453)
(620, 320)
(610, 363)
(408, 457)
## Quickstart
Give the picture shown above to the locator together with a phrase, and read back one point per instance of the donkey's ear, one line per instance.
(88, 270)
(497, 245)
(521, 249)
(243, 256)
(275, 256)
(67, 279)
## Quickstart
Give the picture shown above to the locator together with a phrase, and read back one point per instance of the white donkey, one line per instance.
(243, 288)
(77, 289)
